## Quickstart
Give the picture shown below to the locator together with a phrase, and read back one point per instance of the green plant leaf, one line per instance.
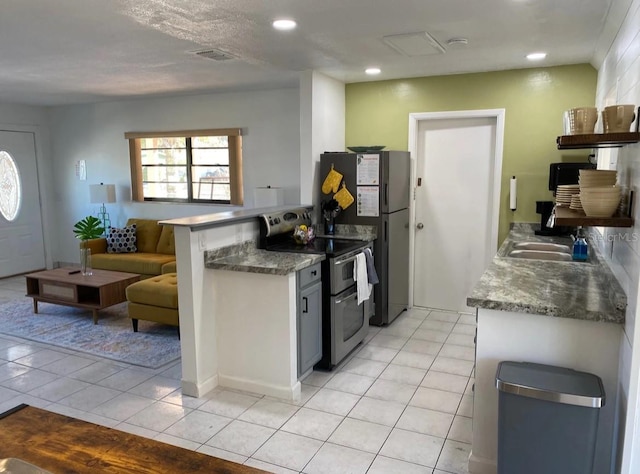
(88, 228)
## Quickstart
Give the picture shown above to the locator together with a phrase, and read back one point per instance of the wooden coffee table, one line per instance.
(65, 287)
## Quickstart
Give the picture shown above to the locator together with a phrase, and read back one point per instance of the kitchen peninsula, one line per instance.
(200, 324)
(568, 314)
(238, 304)
(255, 306)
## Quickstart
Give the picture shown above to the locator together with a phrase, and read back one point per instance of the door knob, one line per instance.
(420, 225)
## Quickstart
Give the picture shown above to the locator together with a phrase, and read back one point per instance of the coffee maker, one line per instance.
(559, 173)
(545, 209)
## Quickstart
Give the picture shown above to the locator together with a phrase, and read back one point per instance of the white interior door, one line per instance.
(21, 240)
(456, 216)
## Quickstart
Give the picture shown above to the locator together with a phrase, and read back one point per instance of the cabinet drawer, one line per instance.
(308, 275)
(61, 291)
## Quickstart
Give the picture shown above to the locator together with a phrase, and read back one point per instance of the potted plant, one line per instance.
(86, 229)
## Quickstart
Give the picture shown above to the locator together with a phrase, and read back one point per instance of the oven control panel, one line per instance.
(282, 222)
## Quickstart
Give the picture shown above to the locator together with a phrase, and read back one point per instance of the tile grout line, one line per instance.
(159, 372)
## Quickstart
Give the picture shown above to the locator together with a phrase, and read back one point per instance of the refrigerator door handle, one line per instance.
(386, 194)
(386, 231)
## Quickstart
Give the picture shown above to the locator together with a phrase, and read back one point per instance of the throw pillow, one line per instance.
(122, 240)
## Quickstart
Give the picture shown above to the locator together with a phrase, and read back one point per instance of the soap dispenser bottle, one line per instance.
(580, 246)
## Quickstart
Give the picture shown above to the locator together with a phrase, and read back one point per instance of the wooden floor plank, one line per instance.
(62, 444)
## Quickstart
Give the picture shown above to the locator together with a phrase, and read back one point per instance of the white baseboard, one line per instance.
(479, 465)
(193, 389)
(278, 391)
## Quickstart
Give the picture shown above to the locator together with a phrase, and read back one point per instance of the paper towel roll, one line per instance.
(513, 191)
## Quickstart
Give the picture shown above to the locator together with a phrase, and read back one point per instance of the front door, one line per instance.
(455, 207)
(21, 239)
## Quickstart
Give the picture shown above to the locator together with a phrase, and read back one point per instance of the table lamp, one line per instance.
(103, 193)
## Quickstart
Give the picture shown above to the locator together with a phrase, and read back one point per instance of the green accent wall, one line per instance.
(377, 113)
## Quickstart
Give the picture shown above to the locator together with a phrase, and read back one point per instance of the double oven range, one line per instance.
(344, 322)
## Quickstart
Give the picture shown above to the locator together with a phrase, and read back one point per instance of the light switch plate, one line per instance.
(81, 170)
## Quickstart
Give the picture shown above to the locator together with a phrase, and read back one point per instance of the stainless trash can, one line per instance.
(547, 419)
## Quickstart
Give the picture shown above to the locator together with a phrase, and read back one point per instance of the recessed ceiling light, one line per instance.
(372, 71)
(284, 25)
(457, 42)
(536, 56)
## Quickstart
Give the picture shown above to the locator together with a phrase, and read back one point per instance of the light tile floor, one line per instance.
(401, 403)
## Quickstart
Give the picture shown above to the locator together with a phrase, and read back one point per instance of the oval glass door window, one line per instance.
(10, 187)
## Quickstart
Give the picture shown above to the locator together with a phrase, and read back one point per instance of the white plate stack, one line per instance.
(564, 193)
(576, 204)
(599, 195)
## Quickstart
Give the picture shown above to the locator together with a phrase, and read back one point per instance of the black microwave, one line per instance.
(566, 173)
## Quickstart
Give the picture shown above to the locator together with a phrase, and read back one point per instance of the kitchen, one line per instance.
(248, 267)
(482, 91)
(241, 232)
(544, 172)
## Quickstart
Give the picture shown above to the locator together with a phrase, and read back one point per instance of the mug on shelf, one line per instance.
(618, 118)
(582, 120)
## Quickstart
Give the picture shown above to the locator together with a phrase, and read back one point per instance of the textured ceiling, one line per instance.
(73, 51)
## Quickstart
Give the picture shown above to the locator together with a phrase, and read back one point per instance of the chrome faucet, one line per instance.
(552, 218)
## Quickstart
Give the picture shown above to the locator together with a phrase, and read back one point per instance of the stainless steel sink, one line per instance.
(541, 255)
(545, 246)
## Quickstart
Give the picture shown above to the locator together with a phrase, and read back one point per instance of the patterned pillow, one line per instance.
(122, 240)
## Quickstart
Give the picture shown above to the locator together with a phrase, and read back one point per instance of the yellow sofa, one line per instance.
(155, 255)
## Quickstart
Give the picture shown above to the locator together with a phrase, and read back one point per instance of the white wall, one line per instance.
(619, 83)
(322, 127)
(95, 132)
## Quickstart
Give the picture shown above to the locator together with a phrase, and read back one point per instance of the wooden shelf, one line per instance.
(567, 217)
(597, 140)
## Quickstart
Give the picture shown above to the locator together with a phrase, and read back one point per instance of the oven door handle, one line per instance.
(350, 259)
(352, 295)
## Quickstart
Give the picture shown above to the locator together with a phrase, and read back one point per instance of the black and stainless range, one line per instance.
(344, 322)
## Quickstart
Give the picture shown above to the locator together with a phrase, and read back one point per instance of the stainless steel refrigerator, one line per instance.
(380, 183)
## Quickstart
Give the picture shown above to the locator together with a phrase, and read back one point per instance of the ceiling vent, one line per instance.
(414, 44)
(215, 54)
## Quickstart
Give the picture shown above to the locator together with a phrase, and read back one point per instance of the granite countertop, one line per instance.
(245, 257)
(223, 218)
(576, 290)
(367, 233)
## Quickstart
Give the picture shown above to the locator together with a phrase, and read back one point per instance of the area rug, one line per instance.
(154, 346)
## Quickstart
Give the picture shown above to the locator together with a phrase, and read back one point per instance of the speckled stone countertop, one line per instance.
(233, 216)
(367, 233)
(246, 257)
(576, 290)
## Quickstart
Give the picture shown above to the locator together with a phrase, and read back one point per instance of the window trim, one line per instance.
(235, 161)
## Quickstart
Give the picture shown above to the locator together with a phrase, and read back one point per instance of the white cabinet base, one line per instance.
(256, 332)
(577, 344)
(482, 466)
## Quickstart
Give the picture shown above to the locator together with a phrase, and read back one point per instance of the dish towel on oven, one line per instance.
(371, 269)
(361, 277)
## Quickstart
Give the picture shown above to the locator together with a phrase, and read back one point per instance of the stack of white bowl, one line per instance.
(599, 194)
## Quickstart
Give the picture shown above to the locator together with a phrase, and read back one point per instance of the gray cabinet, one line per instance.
(309, 320)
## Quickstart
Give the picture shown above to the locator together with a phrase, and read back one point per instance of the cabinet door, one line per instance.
(309, 327)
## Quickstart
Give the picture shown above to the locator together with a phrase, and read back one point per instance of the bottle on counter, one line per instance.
(580, 247)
